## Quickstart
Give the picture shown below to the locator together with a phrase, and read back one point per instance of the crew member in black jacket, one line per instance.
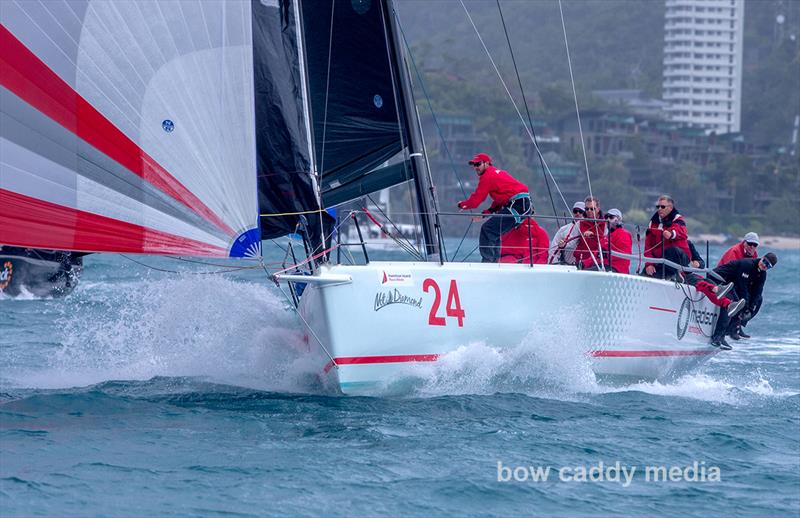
(748, 277)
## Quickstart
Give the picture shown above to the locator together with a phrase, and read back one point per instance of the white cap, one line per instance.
(751, 237)
(614, 212)
(579, 205)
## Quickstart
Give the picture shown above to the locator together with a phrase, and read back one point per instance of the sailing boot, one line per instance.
(742, 334)
(724, 290)
(721, 344)
(736, 307)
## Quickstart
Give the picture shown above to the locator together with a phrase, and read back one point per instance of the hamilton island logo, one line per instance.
(168, 125)
(386, 298)
(6, 274)
(683, 318)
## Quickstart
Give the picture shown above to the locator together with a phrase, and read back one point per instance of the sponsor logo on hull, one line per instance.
(397, 278)
(688, 313)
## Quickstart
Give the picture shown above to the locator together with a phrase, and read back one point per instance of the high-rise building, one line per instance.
(703, 63)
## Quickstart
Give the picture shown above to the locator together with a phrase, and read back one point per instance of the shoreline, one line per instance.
(775, 242)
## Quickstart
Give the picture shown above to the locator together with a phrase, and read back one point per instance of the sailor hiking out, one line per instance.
(511, 202)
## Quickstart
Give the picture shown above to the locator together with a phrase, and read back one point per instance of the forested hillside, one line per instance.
(613, 44)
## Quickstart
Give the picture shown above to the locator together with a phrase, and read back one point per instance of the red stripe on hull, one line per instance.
(34, 82)
(663, 309)
(28, 222)
(364, 360)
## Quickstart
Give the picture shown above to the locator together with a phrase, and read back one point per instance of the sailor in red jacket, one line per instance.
(515, 248)
(746, 249)
(591, 233)
(621, 241)
(510, 201)
(668, 231)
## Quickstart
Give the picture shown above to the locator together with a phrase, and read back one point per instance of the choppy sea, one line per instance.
(148, 392)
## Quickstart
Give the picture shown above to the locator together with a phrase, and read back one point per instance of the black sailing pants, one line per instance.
(496, 226)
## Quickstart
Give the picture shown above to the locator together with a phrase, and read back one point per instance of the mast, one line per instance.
(423, 182)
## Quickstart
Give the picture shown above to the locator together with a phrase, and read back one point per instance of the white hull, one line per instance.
(376, 319)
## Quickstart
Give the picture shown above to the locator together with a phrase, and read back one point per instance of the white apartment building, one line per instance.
(703, 63)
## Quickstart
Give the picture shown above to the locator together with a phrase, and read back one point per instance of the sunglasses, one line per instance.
(476, 164)
(754, 245)
(767, 264)
(661, 206)
(590, 209)
(578, 211)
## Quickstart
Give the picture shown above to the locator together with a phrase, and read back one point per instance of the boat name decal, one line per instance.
(386, 298)
(5, 275)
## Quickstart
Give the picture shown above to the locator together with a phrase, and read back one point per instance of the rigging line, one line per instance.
(513, 103)
(187, 272)
(183, 259)
(580, 129)
(406, 245)
(325, 125)
(469, 254)
(462, 240)
(298, 213)
(527, 110)
(430, 107)
(297, 311)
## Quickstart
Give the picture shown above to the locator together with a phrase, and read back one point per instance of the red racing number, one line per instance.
(453, 308)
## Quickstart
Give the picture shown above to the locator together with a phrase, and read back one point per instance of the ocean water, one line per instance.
(148, 392)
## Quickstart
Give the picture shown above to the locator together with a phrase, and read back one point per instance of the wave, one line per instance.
(230, 332)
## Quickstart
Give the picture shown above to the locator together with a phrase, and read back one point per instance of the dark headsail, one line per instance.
(358, 107)
(283, 152)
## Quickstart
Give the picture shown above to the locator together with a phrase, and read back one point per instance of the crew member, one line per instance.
(592, 230)
(695, 259)
(746, 248)
(667, 231)
(562, 247)
(510, 202)
(717, 295)
(620, 241)
(748, 277)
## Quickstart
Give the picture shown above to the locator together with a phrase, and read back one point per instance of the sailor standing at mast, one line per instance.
(511, 201)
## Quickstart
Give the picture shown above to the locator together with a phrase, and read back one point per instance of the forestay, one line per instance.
(128, 127)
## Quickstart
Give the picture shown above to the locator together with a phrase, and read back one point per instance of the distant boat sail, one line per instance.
(128, 127)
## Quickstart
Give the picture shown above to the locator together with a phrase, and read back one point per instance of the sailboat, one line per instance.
(203, 128)
(38, 273)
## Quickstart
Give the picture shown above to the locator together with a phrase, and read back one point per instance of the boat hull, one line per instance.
(38, 273)
(374, 320)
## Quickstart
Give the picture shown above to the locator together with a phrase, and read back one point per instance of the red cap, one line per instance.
(480, 157)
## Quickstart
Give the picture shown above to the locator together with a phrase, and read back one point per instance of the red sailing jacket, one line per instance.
(621, 241)
(496, 183)
(514, 244)
(735, 252)
(679, 235)
(582, 252)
